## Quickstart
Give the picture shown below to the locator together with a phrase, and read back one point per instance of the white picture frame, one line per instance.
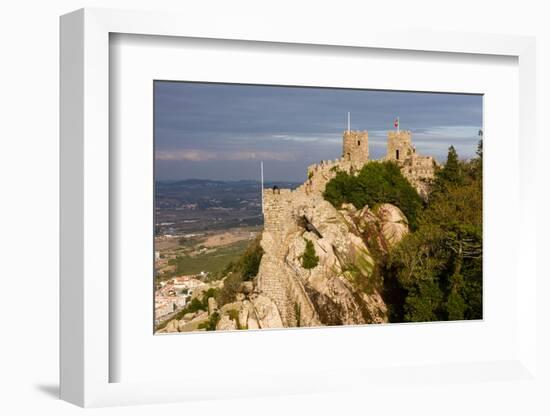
(85, 353)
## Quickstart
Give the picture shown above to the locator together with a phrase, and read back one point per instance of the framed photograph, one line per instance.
(387, 231)
(291, 207)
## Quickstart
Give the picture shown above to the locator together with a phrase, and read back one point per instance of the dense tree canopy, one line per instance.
(438, 267)
(376, 182)
(435, 272)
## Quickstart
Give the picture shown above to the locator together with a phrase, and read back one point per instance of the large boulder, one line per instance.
(193, 325)
(188, 316)
(384, 223)
(231, 306)
(243, 314)
(394, 224)
(212, 305)
(338, 302)
(336, 287)
(226, 324)
(172, 326)
(266, 312)
(252, 323)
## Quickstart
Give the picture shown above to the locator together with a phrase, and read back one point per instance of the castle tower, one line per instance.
(356, 147)
(399, 146)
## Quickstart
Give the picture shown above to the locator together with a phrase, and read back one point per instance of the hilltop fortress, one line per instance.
(419, 170)
(286, 216)
(340, 287)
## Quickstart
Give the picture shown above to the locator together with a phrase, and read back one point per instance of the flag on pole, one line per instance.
(396, 123)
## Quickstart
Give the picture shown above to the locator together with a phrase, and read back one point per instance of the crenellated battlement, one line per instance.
(356, 147)
(419, 170)
(400, 145)
(277, 205)
(320, 173)
(283, 213)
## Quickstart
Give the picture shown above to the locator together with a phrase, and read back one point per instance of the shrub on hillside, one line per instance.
(210, 324)
(309, 259)
(244, 269)
(230, 288)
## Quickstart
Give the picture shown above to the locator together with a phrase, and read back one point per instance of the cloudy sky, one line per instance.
(223, 131)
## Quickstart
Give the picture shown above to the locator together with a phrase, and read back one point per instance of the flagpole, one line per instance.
(262, 175)
(397, 124)
(348, 122)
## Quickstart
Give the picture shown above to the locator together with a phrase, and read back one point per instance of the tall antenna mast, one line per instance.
(348, 122)
(262, 176)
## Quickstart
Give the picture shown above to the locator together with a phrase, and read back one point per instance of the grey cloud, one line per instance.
(219, 131)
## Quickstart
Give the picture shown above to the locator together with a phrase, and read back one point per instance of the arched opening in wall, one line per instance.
(349, 156)
(358, 142)
(397, 154)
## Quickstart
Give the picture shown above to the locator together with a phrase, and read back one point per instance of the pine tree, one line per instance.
(450, 175)
(451, 171)
(309, 258)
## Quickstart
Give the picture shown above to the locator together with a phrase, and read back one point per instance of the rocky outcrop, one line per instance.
(172, 326)
(394, 224)
(256, 312)
(341, 289)
(226, 324)
(193, 324)
(266, 313)
(212, 305)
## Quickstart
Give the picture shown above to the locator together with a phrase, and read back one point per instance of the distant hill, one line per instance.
(197, 205)
(207, 193)
(242, 182)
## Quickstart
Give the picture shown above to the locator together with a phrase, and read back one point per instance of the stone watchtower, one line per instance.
(399, 146)
(356, 147)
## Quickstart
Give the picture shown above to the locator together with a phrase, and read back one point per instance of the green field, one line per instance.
(212, 262)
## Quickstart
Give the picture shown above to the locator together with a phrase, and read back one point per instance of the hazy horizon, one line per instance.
(208, 131)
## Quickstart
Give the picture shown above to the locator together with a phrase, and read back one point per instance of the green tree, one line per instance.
(309, 258)
(423, 302)
(451, 171)
(231, 286)
(211, 323)
(451, 174)
(250, 261)
(377, 182)
(479, 151)
(477, 165)
(194, 305)
(435, 272)
(456, 306)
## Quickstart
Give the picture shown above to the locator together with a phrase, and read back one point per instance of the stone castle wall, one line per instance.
(276, 278)
(277, 208)
(280, 222)
(399, 145)
(321, 173)
(356, 147)
(419, 170)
